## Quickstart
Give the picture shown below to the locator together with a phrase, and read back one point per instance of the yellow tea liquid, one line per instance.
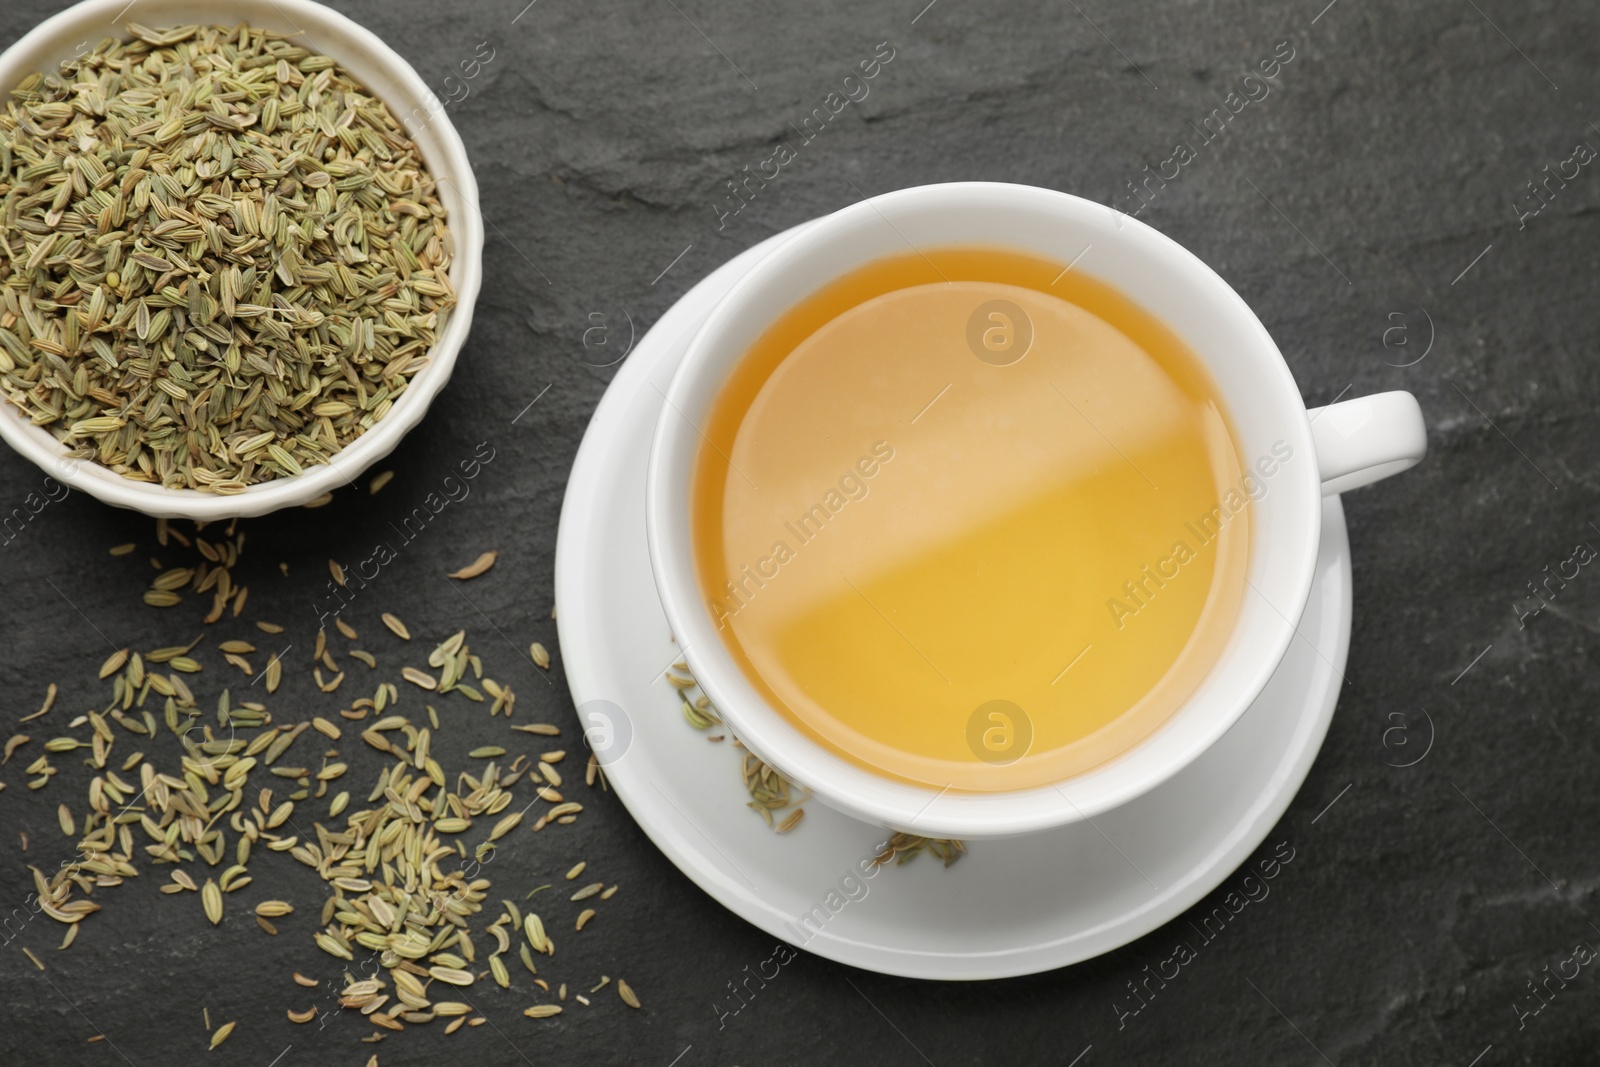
(959, 516)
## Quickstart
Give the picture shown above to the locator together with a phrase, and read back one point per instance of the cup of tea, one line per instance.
(979, 509)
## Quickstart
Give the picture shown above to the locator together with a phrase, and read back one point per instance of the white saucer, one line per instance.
(1010, 907)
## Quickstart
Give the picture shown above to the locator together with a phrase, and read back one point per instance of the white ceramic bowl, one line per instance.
(392, 80)
(1349, 444)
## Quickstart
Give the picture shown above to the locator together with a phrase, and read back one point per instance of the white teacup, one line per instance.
(1329, 450)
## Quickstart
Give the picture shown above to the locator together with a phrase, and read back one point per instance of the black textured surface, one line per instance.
(1391, 153)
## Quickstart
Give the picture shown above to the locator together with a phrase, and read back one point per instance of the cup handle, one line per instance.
(1366, 439)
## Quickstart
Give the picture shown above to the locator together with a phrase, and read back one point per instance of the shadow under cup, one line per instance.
(1268, 427)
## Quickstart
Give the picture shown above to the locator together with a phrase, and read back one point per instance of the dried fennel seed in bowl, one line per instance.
(221, 258)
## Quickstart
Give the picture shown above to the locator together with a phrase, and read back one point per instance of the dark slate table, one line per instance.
(1373, 206)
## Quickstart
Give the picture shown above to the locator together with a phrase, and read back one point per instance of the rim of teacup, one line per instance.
(1035, 220)
(58, 39)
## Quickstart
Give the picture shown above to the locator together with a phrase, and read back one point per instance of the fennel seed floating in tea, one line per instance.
(221, 258)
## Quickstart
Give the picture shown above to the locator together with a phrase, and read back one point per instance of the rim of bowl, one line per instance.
(876, 797)
(333, 34)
